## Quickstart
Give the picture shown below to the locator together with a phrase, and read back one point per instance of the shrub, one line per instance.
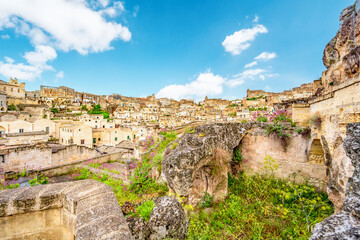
(237, 156)
(39, 180)
(12, 107)
(206, 201)
(144, 210)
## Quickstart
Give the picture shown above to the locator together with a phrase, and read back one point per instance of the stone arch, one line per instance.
(316, 152)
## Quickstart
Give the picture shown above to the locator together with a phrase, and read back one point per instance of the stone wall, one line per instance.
(84, 209)
(345, 224)
(336, 110)
(257, 145)
(29, 156)
(72, 153)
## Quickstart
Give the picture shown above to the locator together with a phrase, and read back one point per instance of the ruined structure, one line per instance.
(346, 224)
(201, 160)
(83, 210)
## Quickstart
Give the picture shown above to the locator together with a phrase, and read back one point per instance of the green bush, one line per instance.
(12, 107)
(237, 156)
(144, 210)
(206, 201)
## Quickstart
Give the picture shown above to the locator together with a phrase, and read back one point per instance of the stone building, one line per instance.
(13, 88)
(78, 133)
(3, 102)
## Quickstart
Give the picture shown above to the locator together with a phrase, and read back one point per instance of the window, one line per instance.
(128, 137)
(47, 129)
(82, 141)
(21, 130)
(2, 158)
(62, 140)
(134, 136)
(99, 139)
(116, 139)
(94, 140)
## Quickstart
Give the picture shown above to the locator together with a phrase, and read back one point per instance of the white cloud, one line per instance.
(104, 3)
(136, 10)
(114, 10)
(251, 74)
(67, 25)
(266, 56)
(241, 40)
(240, 78)
(21, 71)
(41, 56)
(62, 25)
(206, 84)
(60, 74)
(5, 36)
(37, 63)
(256, 19)
(9, 60)
(254, 63)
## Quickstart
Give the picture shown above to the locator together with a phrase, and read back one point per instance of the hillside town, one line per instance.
(62, 116)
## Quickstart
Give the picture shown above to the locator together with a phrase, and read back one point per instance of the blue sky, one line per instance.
(173, 48)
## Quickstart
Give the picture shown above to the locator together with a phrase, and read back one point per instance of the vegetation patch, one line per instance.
(262, 207)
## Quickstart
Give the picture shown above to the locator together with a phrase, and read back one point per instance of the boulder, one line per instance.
(201, 161)
(346, 224)
(167, 220)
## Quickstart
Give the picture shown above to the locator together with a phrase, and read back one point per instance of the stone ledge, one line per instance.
(86, 221)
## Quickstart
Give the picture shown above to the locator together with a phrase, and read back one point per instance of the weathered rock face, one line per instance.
(201, 161)
(342, 54)
(84, 209)
(167, 220)
(346, 224)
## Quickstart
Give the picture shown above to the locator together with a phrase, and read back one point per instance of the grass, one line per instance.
(262, 207)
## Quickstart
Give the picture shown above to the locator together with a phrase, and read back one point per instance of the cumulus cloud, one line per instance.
(241, 40)
(256, 19)
(69, 25)
(37, 63)
(41, 56)
(206, 84)
(266, 56)
(114, 10)
(64, 25)
(254, 63)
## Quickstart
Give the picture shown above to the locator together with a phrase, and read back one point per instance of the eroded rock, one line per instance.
(201, 161)
(346, 224)
(167, 220)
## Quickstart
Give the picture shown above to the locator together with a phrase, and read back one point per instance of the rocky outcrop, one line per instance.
(201, 161)
(167, 221)
(342, 53)
(346, 224)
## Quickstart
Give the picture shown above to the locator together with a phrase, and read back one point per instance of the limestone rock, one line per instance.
(167, 220)
(342, 53)
(346, 224)
(201, 161)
